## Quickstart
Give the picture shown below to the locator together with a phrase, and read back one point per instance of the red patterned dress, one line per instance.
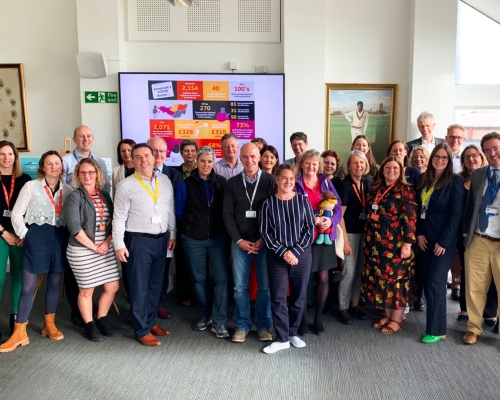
(387, 278)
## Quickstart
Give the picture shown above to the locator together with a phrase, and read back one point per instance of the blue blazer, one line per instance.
(475, 198)
(442, 219)
(174, 176)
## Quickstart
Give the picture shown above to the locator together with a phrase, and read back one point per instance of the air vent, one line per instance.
(205, 17)
(254, 16)
(153, 16)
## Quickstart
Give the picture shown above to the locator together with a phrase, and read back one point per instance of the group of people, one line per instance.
(388, 233)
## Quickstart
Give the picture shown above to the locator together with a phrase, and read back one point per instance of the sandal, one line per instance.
(387, 330)
(380, 324)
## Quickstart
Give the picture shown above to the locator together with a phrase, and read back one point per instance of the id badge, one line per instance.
(374, 216)
(102, 227)
(251, 214)
(362, 216)
(375, 207)
(156, 219)
(7, 213)
(422, 213)
(491, 211)
(59, 222)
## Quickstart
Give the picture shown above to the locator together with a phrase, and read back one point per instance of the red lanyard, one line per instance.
(100, 205)
(361, 199)
(8, 196)
(378, 197)
(57, 208)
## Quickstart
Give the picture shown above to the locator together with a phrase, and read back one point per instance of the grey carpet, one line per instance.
(347, 362)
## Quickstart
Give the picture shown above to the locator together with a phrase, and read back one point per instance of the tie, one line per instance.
(157, 170)
(483, 218)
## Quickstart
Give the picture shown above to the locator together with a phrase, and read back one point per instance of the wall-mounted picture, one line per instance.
(13, 120)
(358, 109)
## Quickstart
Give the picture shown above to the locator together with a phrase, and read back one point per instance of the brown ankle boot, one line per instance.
(49, 328)
(18, 338)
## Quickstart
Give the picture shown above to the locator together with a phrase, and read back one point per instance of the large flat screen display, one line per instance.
(202, 107)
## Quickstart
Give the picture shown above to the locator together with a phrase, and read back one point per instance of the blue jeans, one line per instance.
(241, 275)
(217, 249)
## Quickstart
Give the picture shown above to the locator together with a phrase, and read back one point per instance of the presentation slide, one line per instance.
(202, 107)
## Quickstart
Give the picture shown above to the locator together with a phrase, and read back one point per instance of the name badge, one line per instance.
(156, 219)
(422, 213)
(251, 214)
(362, 216)
(374, 216)
(491, 211)
(59, 222)
(7, 213)
(102, 227)
(375, 207)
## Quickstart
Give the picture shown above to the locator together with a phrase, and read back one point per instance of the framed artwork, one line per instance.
(13, 120)
(360, 109)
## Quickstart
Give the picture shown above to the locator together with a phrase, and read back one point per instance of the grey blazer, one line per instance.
(79, 213)
(474, 200)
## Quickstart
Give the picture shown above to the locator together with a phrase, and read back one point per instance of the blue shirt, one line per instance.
(69, 163)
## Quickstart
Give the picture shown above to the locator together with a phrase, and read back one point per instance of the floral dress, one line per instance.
(386, 281)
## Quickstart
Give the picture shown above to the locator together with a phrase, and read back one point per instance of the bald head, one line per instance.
(250, 157)
(159, 147)
(83, 138)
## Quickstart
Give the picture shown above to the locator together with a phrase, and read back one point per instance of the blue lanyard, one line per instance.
(493, 190)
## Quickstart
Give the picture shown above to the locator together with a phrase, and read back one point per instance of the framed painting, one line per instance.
(360, 109)
(13, 119)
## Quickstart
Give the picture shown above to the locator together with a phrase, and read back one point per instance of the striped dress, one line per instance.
(92, 269)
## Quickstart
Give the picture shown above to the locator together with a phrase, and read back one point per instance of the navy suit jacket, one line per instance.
(174, 176)
(417, 142)
(474, 200)
(442, 219)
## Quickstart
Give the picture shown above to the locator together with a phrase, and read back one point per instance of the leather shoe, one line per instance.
(163, 313)
(495, 328)
(490, 322)
(159, 331)
(149, 340)
(470, 337)
(455, 294)
(419, 305)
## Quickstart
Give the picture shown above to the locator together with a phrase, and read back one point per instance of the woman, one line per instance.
(419, 158)
(88, 212)
(40, 202)
(441, 197)
(269, 159)
(11, 247)
(126, 164)
(399, 149)
(198, 206)
(313, 185)
(331, 162)
(287, 226)
(353, 191)
(362, 144)
(391, 211)
(472, 157)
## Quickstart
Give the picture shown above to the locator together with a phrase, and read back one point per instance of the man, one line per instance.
(298, 140)
(455, 138)
(230, 165)
(358, 119)
(243, 199)
(159, 147)
(426, 125)
(83, 138)
(482, 235)
(143, 230)
(189, 149)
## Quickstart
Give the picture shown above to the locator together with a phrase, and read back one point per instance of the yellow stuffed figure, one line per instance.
(325, 210)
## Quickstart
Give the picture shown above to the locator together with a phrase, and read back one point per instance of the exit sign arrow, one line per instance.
(90, 97)
(101, 97)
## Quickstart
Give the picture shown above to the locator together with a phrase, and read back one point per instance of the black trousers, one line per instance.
(286, 318)
(71, 291)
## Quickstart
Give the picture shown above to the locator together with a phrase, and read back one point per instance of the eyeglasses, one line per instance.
(89, 173)
(495, 149)
(442, 158)
(471, 156)
(159, 151)
(456, 137)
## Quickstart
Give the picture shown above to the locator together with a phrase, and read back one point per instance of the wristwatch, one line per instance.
(2, 231)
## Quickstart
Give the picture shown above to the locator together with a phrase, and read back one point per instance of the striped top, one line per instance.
(287, 224)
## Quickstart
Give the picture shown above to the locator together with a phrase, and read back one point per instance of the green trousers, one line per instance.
(15, 256)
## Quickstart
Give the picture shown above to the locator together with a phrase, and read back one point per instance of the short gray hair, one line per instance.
(205, 150)
(361, 155)
(425, 115)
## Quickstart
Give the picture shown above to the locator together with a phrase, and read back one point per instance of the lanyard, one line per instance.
(426, 196)
(493, 190)
(98, 205)
(58, 207)
(141, 181)
(361, 198)
(8, 196)
(378, 197)
(254, 191)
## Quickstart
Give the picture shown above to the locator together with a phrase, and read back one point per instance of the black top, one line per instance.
(349, 199)
(18, 184)
(412, 175)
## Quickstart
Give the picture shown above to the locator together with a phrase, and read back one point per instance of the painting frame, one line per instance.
(380, 103)
(13, 110)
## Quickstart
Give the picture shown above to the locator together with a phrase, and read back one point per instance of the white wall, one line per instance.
(42, 35)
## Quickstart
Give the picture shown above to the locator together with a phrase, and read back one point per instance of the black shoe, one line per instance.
(345, 318)
(92, 333)
(12, 321)
(490, 322)
(103, 326)
(202, 324)
(455, 294)
(495, 328)
(319, 328)
(220, 331)
(357, 312)
(77, 319)
(419, 305)
(303, 330)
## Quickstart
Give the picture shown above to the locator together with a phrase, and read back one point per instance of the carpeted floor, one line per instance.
(347, 362)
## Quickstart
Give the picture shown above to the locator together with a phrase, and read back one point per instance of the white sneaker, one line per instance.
(275, 346)
(297, 342)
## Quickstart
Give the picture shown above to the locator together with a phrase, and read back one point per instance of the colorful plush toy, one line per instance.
(325, 210)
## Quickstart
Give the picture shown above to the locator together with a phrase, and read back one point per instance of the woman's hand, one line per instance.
(11, 239)
(347, 247)
(422, 242)
(102, 248)
(438, 250)
(20, 243)
(406, 250)
(325, 223)
(290, 258)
